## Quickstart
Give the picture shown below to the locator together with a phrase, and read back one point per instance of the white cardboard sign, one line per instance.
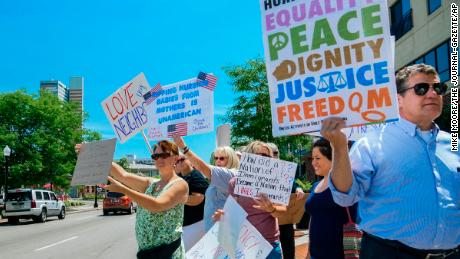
(258, 174)
(94, 162)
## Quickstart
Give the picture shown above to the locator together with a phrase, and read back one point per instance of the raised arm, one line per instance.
(197, 162)
(195, 199)
(176, 194)
(135, 182)
(341, 173)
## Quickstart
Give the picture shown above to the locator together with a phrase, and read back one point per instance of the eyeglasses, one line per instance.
(221, 158)
(158, 155)
(263, 154)
(421, 89)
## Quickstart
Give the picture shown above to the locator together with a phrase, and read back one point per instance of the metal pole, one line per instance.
(95, 196)
(6, 177)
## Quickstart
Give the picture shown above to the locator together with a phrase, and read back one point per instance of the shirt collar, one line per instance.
(411, 128)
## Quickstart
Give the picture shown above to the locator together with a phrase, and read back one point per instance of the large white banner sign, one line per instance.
(184, 108)
(328, 58)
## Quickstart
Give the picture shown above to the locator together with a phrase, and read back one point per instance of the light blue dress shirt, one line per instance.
(408, 188)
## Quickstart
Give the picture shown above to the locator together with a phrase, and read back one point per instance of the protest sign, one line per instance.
(94, 162)
(328, 58)
(249, 244)
(183, 108)
(223, 135)
(230, 226)
(356, 132)
(126, 109)
(259, 174)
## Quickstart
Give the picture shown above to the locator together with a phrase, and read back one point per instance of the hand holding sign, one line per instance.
(114, 186)
(332, 131)
(264, 203)
(259, 174)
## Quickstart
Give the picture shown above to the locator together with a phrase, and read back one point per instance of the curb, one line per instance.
(71, 211)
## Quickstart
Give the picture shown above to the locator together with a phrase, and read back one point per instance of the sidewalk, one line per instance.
(88, 206)
(301, 244)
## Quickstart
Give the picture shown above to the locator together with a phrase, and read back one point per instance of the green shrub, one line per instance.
(304, 184)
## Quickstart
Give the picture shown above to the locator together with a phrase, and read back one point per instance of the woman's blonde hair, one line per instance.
(254, 145)
(232, 158)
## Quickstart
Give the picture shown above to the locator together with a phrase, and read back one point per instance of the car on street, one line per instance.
(35, 204)
(116, 202)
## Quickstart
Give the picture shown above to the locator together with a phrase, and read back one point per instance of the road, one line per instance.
(79, 235)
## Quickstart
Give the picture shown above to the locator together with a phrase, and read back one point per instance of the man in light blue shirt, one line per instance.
(404, 176)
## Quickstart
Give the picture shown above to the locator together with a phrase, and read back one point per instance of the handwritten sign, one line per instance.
(249, 244)
(126, 109)
(184, 108)
(259, 174)
(327, 59)
(94, 162)
(230, 226)
(356, 132)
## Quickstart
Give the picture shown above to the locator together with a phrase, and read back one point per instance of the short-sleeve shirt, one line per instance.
(196, 184)
(263, 221)
(159, 228)
(217, 193)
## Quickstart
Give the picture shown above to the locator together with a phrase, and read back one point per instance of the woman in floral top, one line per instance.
(161, 204)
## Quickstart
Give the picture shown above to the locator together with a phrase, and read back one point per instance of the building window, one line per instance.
(439, 58)
(401, 18)
(433, 5)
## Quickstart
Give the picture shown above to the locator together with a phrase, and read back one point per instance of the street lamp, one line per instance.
(6, 154)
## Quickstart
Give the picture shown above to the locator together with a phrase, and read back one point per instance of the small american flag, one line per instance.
(151, 95)
(178, 128)
(212, 80)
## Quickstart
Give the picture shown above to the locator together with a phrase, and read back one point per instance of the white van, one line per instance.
(30, 203)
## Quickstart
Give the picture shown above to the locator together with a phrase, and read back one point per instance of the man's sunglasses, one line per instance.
(221, 158)
(421, 89)
(155, 156)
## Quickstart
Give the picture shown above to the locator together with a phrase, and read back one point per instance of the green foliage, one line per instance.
(91, 196)
(304, 184)
(250, 116)
(123, 162)
(73, 203)
(41, 132)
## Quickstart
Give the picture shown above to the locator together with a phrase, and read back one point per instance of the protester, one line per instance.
(193, 225)
(404, 176)
(326, 217)
(262, 213)
(226, 165)
(160, 204)
(287, 229)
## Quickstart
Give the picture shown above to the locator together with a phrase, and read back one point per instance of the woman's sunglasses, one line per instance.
(155, 156)
(221, 158)
(421, 89)
(263, 154)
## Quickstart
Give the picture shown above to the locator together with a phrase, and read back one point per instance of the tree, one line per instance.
(42, 132)
(250, 116)
(123, 162)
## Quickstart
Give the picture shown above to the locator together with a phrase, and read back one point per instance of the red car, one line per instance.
(115, 201)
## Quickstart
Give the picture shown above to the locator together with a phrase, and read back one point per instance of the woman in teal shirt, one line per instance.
(161, 204)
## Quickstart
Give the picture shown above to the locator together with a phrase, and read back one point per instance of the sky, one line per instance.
(110, 42)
